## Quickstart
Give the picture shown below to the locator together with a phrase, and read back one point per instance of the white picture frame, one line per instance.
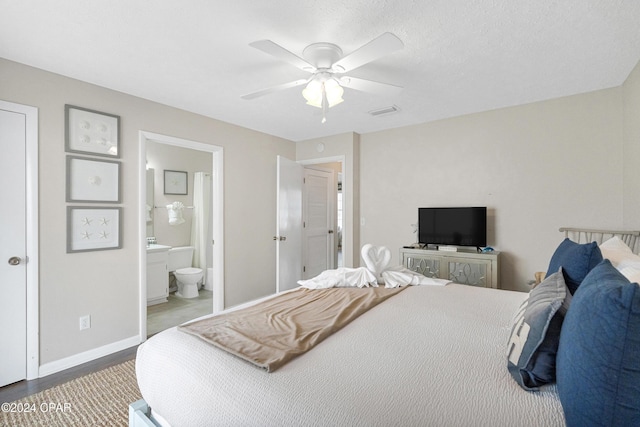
(91, 132)
(93, 180)
(93, 229)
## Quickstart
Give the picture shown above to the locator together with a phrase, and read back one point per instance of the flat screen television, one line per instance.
(465, 226)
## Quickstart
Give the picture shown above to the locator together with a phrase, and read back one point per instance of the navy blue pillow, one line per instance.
(576, 261)
(531, 353)
(598, 363)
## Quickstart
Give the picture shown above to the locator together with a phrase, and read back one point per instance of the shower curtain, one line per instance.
(200, 233)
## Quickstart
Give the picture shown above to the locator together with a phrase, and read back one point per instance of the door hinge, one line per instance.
(304, 268)
(304, 224)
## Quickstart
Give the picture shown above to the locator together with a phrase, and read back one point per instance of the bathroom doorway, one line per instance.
(197, 170)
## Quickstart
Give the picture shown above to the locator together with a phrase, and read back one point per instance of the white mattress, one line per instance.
(427, 356)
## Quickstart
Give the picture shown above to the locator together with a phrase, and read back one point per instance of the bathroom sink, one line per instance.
(157, 248)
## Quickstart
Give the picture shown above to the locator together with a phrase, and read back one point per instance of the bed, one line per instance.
(429, 355)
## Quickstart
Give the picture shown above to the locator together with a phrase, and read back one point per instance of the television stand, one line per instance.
(467, 268)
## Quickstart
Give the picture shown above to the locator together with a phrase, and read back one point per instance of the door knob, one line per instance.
(281, 238)
(14, 260)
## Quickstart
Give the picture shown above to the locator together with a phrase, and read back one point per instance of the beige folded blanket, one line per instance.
(271, 333)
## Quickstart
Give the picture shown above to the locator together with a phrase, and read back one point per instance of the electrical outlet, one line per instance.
(85, 322)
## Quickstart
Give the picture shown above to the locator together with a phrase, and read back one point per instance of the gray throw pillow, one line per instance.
(536, 333)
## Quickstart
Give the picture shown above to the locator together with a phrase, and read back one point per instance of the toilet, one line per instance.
(187, 277)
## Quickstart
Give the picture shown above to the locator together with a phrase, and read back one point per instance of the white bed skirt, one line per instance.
(429, 356)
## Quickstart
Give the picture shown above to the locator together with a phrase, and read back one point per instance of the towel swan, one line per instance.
(377, 272)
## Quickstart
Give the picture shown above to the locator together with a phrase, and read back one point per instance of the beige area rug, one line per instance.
(98, 399)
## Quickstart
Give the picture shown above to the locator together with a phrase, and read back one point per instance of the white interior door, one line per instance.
(318, 222)
(288, 236)
(13, 250)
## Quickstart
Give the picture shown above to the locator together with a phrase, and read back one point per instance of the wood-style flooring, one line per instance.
(25, 388)
(159, 318)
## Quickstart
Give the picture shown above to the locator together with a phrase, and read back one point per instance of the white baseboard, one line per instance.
(87, 356)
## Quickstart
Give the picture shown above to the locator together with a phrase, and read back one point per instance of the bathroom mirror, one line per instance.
(150, 201)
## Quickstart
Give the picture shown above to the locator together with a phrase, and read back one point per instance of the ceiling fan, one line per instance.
(327, 65)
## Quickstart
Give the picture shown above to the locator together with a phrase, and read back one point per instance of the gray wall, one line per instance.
(631, 101)
(569, 161)
(537, 167)
(105, 284)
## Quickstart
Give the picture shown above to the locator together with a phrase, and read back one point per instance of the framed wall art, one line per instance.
(93, 229)
(91, 180)
(91, 132)
(175, 182)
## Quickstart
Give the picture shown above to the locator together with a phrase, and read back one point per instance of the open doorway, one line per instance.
(335, 167)
(168, 162)
(293, 253)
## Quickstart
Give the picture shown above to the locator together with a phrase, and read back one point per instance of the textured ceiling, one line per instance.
(460, 56)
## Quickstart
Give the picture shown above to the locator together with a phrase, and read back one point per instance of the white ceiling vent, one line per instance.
(384, 111)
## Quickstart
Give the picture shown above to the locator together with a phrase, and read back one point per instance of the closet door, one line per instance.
(13, 251)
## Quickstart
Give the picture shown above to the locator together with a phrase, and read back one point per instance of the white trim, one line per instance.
(179, 142)
(87, 356)
(142, 236)
(218, 218)
(217, 186)
(32, 234)
(318, 160)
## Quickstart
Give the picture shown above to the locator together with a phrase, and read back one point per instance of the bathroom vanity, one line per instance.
(157, 274)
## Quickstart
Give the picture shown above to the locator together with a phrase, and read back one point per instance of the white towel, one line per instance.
(377, 271)
(341, 278)
(377, 259)
(400, 276)
(175, 213)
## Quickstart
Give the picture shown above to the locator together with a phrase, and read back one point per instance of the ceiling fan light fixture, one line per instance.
(313, 93)
(318, 91)
(333, 92)
(327, 64)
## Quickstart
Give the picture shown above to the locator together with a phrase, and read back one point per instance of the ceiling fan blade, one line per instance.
(376, 48)
(274, 89)
(267, 46)
(370, 86)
